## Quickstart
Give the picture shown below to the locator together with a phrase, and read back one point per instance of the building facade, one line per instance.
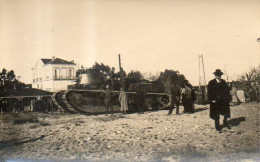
(53, 74)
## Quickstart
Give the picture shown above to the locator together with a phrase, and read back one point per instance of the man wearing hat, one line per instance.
(219, 98)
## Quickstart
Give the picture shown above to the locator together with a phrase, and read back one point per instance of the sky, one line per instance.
(150, 35)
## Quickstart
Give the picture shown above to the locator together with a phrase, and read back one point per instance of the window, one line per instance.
(63, 73)
(57, 73)
(70, 75)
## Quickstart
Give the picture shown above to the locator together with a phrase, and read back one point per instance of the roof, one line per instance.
(57, 61)
(45, 61)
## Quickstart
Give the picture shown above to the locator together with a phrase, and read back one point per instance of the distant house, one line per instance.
(53, 74)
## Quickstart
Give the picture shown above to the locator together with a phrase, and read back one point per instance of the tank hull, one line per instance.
(92, 101)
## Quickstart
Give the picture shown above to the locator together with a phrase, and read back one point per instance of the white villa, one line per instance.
(53, 74)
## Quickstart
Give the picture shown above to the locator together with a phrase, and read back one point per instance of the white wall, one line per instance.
(43, 76)
(60, 85)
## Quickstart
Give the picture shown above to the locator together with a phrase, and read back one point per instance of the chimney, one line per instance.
(53, 58)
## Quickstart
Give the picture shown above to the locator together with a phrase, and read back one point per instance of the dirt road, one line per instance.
(152, 136)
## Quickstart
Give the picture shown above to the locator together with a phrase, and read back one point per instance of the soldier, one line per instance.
(187, 98)
(140, 99)
(108, 99)
(193, 98)
(174, 99)
(40, 105)
(112, 77)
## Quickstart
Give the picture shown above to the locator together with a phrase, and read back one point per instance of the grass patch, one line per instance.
(110, 118)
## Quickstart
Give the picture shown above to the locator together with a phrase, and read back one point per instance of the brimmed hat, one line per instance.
(218, 72)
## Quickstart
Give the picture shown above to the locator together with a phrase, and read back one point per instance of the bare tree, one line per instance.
(252, 82)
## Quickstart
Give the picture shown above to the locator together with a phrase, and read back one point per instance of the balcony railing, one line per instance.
(63, 78)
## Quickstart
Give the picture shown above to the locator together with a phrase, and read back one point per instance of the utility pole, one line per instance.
(199, 73)
(119, 58)
(204, 74)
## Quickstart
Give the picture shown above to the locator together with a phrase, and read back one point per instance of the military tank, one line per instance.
(88, 98)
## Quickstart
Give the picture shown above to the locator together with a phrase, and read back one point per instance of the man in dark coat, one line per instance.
(187, 99)
(140, 100)
(219, 97)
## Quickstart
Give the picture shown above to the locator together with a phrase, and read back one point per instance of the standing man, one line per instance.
(233, 92)
(108, 99)
(140, 99)
(187, 98)
(112, 77)
(193, 98)
(174, 98)
(219, 97)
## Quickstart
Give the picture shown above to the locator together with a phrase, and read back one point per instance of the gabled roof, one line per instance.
(45, 61)
(57, 61)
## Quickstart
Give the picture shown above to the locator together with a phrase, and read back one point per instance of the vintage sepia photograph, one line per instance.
(130, 80)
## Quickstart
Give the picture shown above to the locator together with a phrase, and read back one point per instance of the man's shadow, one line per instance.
(234, 122)
(12, 143)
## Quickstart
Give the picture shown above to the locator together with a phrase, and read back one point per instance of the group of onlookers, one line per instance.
(184, 95)
(16, 105)
(123, 100)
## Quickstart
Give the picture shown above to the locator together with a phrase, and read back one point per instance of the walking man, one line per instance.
(219, 97)
(108, 100)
